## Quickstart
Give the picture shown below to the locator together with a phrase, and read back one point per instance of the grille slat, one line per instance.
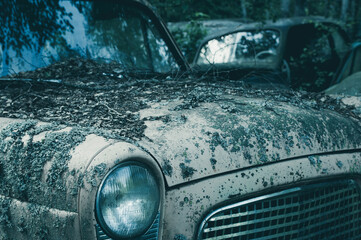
(264, 220)
(324, 223)
(272, 209)
(319, 211)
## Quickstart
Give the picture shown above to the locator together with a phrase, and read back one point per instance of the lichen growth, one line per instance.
(186, 170)
(180, 237)
(339, 164)
(267, 134)
(23, 160)
(213, 163)
(96, 173)
(5, 212)
(315, 161)
(167, 168)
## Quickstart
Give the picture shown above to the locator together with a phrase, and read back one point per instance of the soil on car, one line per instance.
(85, 93)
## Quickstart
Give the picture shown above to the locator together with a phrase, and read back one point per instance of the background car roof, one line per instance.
(282, 24)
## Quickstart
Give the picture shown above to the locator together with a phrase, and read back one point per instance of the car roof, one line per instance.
(282, 24)
(288, 22)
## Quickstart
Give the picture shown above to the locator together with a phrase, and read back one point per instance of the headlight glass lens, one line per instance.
(128, 201)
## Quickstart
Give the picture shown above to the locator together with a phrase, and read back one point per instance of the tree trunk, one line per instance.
(358, 21)
(300, 8)
(244, 10)
(344, 9)
(326, 8)
(285, 7)
(353, 18)
(5, 51)
(353, 9)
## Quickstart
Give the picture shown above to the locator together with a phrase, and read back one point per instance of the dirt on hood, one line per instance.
(90, 94)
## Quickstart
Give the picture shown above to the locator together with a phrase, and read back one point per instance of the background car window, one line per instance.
(346, 71)
(356, 65)
(102, 31)
(341, 46)
(351, 66)
(241, 48)
(312, 57)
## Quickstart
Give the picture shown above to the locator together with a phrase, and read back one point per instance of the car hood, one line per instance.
(193, 128)
(234, 132)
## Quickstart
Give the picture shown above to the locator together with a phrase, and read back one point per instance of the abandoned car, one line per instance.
(347, 80)
(303, 53)
(105, 133)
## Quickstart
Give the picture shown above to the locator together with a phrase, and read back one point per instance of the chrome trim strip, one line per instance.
(209, 216)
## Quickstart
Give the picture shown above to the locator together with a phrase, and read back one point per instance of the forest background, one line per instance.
(194, 12)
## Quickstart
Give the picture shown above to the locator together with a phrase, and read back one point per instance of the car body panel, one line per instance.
(187, 203)
(236, 133)
(220, 132)
(192, 202)
(24, 220)
(349, 86)
(62, 198)
(59, 157)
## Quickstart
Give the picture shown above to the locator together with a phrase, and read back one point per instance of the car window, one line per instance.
(341, 46)
(346, 71)
(305, 39)
(246, 47)
(352, 65)
(311, 56)
(102, 31)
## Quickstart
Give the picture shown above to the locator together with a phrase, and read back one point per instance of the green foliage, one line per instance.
(181, 10)
(27, 24)
(259, 10)
(313, 64)
(25, 20)
(252, 10)
(190, 38)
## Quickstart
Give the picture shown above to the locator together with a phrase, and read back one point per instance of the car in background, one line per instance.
(348, 79)
(303, 53)
(106, 133)
(211, 26)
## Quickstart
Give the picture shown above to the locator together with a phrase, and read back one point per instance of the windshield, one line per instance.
(36, 34)
(245, 48)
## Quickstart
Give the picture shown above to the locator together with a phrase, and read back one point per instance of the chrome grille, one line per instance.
(151, 234)
(318, 211)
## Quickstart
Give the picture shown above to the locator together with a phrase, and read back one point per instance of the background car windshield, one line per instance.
(102, 31)
(247, 47)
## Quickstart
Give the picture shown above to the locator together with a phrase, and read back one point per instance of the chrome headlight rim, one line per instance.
(99, 215)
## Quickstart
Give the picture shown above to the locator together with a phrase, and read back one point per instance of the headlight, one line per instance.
(127, 201)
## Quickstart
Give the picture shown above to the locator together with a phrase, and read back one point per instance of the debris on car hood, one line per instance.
(193, 127)
(74, 70)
